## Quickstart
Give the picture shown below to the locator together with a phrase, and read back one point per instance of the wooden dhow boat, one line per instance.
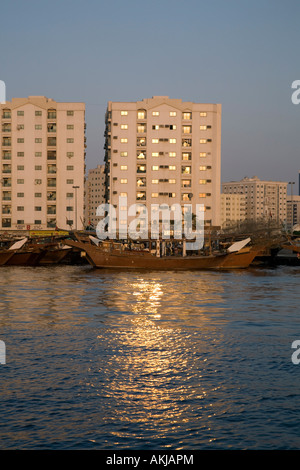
(154, 255)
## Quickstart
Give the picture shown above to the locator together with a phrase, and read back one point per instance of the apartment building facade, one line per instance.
(42, 148)
(233, 209)
(164, 151)
(264, 199)
(94, 194)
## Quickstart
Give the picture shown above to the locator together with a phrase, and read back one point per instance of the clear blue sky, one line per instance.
(242, 54)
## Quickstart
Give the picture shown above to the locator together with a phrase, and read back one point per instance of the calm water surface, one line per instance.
(131, 360)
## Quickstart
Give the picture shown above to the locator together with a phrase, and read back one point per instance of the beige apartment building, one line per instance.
(233, 209)
(164, 151)
(264, 199)
(42, 147)
(94, 194)
(293, 211)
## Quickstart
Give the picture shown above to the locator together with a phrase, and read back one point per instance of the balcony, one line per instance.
(6, 142)
(6, 223)
(51, 155)
(51, 182)
(51, 127)
(51, 114)
(51, 141)
(51, 196)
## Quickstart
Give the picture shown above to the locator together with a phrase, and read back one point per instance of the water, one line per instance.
(130, 360)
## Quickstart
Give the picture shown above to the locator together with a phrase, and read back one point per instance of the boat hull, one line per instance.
(118, 259)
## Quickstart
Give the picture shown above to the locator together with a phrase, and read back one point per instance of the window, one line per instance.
(141, 196)
(70, 113)
(70, 181)
(154, 181)
(203, 114)
(20, 181)
(155, 141)
(202, 168)
(186, 142)
(124, 141)
(20, 208)
(187, 129)
(203, 128)
(186, 170)
(124, 113)
(68, 208)
(203, 141)
(51, 141)
(37, 194)
(141, 128)
(51, 114)
(70, 167)
(141, 141)
(124, 154)
(154, 154)
(38, 208)
(172, 167)
(172, 113)
(141, 155)
(123, 167)
(124, 126)
(70, 141)
(141, 169)
(202, 181)
(123, 194)
(70, 154)
(70, 127)
(186, 156)
(141, 114)
(187, 116)
(38, 154)
(6, 222)
(38, 113)
(172, 141)
(154, 195)
(185, 196)
(202, 154)
(186, 183)
(140, 182)
(38, 141)
(20, 154)
(38, 167)
(20, 194)
(20, 141)
(20, 222)
(69, 195)
(38, 127)
(124, 180)
(37, 222)
(172, 154)
(202, 195)
(155, 113)
(20, 113)
(20, 167)
(155, 168)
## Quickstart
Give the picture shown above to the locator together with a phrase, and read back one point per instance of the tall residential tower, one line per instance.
(164, 151)
(42, 148)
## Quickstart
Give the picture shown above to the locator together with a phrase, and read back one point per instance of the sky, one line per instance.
(242, 54)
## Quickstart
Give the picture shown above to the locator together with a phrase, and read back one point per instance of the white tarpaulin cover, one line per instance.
(94, 240)
(18, 244)
(237, 246)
